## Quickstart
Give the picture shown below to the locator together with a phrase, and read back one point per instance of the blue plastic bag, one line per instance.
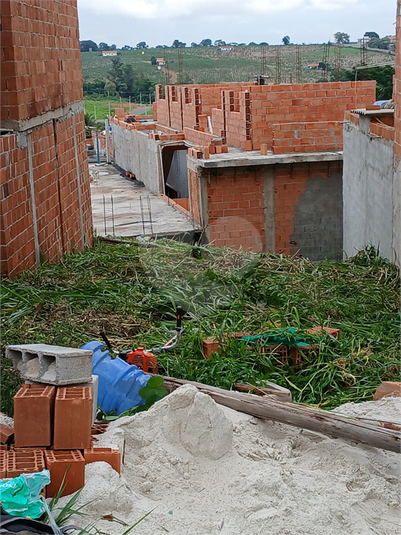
(20, 496)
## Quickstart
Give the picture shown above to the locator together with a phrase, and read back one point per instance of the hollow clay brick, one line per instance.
(70, 464)
(72, 418)
(24, 462)
(33, 415)
(6, 432)
(3, 464)
(108, 455)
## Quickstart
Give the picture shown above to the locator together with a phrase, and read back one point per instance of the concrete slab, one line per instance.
(239, 158)
(116, 207)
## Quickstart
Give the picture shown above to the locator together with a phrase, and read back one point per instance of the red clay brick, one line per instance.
(321, 330)
(72, 418)
(24, 462)
(387, 389)
(33, 415)
(3, 464)
(70, 464)
(6, 432)
(108, 455)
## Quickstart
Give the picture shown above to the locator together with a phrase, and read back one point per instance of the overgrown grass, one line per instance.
(131, 292)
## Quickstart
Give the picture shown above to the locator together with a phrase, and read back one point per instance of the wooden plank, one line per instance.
(301, 416)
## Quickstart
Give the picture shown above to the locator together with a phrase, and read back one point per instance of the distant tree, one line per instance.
(206, 42)
(110, 88)
(113, 47)
(159, 46)
(371, 35)
(286, 40)
(379, 43)
(142, 44)
(241, 44)
(219, 42)
(153, 60)
(104, 46)
(252, 44)
(86, 46)
(194, 45)
(127, 47)
(264, 43)
(341, 37)
(178, 44)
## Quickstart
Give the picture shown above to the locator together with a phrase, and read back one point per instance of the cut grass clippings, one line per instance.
(131, 292)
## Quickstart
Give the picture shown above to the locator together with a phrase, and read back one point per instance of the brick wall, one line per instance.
(246, 113)
(287, 208)
(308, 207)
(236, 208)
(307, 137)
(45, 191)
(41, 64)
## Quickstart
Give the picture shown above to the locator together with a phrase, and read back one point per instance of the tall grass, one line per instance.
(131, 292)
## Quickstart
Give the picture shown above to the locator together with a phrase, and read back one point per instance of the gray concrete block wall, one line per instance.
(318, 218)
(367, 191)
(136, 153)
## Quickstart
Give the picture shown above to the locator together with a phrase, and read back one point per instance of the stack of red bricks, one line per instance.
(53, 430)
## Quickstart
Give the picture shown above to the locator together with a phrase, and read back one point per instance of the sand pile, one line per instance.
(205, 470)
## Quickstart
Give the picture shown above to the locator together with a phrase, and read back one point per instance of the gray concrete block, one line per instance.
(52, 365)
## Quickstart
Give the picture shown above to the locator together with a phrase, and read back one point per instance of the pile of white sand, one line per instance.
(205, 470)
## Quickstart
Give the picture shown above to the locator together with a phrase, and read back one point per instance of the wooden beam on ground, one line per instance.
(301, 416)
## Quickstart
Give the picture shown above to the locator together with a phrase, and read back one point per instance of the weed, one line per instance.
(131, 293)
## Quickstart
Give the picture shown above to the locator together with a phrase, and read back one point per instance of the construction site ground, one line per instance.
(116, 207)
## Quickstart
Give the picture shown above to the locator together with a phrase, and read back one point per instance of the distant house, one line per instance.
(107, 53)
(225, 48)
(312, 66)
(160, 61)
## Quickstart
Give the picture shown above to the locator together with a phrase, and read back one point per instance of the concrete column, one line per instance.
(269, 209)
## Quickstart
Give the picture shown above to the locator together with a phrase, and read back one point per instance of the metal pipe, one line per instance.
(142, 217)
(112, 214)
(104, 215)
(150, 215)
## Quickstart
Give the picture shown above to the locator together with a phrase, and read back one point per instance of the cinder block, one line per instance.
(33, 415)
(72, 418)
(388, 389)
(6, 432)
(107, 455)
(70, 464)
(24, 462)
(53, 365)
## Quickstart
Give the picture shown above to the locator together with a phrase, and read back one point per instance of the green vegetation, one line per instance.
(130, 291)
(382, 75)
(208, 64)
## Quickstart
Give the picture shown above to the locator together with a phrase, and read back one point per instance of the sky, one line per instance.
(128, 22)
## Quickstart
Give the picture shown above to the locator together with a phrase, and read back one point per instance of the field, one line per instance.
(130, 291)
(241, 64)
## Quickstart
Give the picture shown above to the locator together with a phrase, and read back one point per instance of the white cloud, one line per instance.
(170, 9)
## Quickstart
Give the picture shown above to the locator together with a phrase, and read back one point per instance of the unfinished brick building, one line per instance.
(372, 173)
(263, 166)
(45, 190)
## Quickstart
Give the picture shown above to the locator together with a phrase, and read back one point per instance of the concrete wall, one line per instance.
(397, 145)
(367, 190)
(136, 153)
(45, 205)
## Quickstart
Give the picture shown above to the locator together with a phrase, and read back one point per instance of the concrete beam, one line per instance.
(248, 159)
(35, 122)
